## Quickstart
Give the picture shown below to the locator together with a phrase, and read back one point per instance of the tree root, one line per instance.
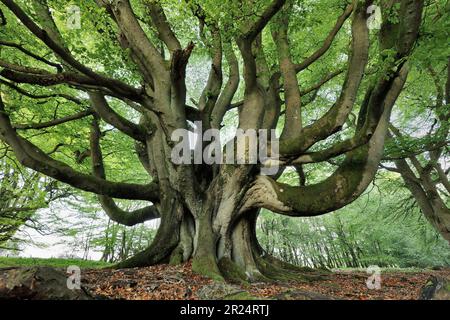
(206, 265)
(232, 272)
(277, 270)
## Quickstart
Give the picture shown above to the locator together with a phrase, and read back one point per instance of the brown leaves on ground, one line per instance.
(166, 282)
(161, 282)
(352, 285)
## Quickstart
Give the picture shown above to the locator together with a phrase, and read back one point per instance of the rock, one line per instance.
(436, 288)
(301, 295)
(38, 283)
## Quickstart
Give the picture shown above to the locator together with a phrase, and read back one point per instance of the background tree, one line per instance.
(422, 159)
(384, 227)
(126, 69)
(22, 193)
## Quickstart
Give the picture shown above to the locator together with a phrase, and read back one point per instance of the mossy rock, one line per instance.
(436, 288)
(38, 283)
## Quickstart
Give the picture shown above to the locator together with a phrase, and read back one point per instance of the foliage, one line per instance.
(383, 227)
(53, 262)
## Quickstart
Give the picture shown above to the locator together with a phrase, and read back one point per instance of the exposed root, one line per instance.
(158, 252)
(232, 272)
(177, 256)
(278, 270)
(207, 266)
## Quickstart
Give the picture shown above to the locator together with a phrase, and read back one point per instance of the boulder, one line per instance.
(38, 283)
(436, 288)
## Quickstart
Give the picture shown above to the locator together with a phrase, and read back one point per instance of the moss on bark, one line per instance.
(231, 271)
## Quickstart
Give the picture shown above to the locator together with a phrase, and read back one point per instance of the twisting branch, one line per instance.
(223, 103)
(212, 90)
(335, 118)
(145, 52)
(55, 122)
(293, 120)
(34, 158)
(368, 125)
(100, 105)
(128, 218)
(112, 84)
(161, 24)
(360, 165)
(58, 67)
(41, 96)
(328, 41)
(252, 30)
(46, 80)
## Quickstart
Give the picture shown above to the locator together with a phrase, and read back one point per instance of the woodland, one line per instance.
(354, 98)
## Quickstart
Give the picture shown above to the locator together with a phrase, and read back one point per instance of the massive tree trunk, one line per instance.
(208, 212)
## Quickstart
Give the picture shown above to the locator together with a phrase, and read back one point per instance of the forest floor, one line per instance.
(165, 282)
(180, 283)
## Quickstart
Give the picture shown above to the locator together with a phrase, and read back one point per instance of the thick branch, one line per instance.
(228, 92)
(150, 58)
(328, 41)
(100, 105)
(32, 157)
(293, 119)
(352, 178)
(334, 119)
(159, 20)
(254, 29)
(128, 218)
(112, 84)
(54, 122)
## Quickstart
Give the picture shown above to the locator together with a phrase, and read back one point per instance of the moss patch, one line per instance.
(244, 295)
(232, 272)
(176, 257)
(207, 267)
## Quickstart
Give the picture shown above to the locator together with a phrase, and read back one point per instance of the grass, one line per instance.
(51, 262)
(387, 270)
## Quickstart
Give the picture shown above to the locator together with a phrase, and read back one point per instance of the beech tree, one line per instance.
(421, 160)
(127, 72)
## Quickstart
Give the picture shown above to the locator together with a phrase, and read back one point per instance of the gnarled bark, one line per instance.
(208, 212)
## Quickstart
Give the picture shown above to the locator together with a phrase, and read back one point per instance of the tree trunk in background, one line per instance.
(423, 174)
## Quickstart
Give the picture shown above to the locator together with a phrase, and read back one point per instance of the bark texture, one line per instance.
(208, 212)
